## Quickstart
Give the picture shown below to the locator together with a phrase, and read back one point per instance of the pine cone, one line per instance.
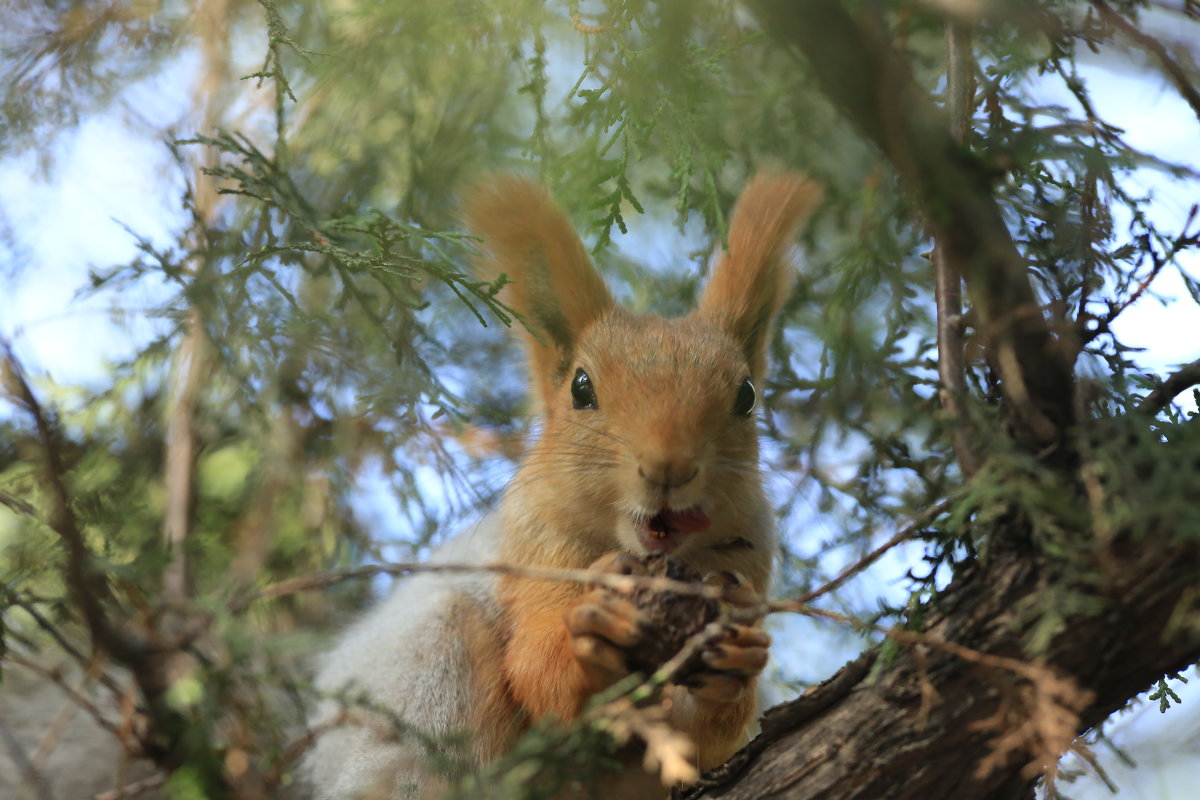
(673, 617)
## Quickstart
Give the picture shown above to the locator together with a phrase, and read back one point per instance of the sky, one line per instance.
(109, 174)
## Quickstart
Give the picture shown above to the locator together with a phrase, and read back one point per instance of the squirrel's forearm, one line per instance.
(543, 675)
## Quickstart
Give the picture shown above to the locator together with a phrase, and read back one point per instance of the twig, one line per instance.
(17, 504)
(1169, 64)
(296, 747)
(1117, 308)
(54, 731)
(32, 776)
(1025, 669)
(1186, 377)
(135, 788)
(81, 701)
(1181, 242)
(46, 625)
(870, 558)
(583, 27)
(321, 580)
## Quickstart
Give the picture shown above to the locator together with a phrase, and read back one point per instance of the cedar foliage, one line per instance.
(314, 331)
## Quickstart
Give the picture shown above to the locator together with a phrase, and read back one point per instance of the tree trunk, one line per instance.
(935, 724)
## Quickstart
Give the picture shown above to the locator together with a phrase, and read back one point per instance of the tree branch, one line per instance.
(135, 788)
(57, 635)
(901, 536)
(954, 697)
(1185, 378)
(960, 91)
(1172, 67)
(75, 697)
(179, 457)
(33, 777)
(859, 69)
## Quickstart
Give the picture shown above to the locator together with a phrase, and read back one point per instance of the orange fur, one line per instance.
(542, 672)
(530, 241)
(748, 284)
(662, 435)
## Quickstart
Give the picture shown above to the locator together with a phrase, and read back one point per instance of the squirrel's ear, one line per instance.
(750, 280)
(528, 238)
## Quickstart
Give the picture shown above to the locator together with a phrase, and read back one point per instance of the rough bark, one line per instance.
(865, 734)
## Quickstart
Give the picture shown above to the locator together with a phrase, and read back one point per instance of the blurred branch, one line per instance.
(960, 92)
(903, 535)
(189, 371)
(52, 630)
(1185, 378)
(134, 789)
(857, 66)
(87, 584)
(179, 456)
(17, 504)
(293, 750)
(53, 676)
(1172, 67)
(149, 660)
(32, 776)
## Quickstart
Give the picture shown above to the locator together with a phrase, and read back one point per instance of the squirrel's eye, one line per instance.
(582, 393)
(744, 404)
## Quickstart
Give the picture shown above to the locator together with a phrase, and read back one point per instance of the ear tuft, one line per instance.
(750, 280)
(527, 237)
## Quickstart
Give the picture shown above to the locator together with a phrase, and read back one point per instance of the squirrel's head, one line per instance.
(649, 433)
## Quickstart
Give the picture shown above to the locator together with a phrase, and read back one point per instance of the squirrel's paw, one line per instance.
(732, 662)
(601, 626)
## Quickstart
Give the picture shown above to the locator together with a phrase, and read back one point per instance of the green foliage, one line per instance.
(318, 258)
(1164, 694)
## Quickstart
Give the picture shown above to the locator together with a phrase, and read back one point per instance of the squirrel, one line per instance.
(648, 445)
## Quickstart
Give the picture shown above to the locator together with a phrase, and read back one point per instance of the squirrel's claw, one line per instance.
(717, 687)
(731, 664)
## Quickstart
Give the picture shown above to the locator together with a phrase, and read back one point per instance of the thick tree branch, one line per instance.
(935, 716)
(179, 457)
(859, 69)
(1179, 381)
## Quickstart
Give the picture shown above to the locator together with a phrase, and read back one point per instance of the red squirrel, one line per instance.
(648, 445)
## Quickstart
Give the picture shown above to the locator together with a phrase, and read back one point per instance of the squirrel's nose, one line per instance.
(666, 473)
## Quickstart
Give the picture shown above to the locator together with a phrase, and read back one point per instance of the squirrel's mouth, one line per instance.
(664, 531)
